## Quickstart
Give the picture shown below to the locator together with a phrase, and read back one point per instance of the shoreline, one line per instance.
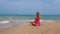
(21, 23)
(45, 28)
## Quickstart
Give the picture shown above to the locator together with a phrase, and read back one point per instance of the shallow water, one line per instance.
(9, 21)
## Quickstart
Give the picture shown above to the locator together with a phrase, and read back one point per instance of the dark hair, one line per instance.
(38, 15)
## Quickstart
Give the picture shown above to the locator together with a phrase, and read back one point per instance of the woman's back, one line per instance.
(37, 19)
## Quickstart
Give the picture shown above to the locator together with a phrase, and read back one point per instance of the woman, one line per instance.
(37, 20)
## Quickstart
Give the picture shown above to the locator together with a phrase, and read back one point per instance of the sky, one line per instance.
(45, 7)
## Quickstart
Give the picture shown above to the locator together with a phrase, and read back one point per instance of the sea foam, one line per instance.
(5, 21)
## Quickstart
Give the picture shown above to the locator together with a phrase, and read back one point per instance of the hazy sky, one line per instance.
(48, 7)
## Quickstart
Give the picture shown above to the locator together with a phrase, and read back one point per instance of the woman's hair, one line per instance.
(38, 15)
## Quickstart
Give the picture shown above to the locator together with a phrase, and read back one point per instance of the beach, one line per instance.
(45, 28)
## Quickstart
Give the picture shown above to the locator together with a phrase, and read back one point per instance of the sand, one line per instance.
(45, 28)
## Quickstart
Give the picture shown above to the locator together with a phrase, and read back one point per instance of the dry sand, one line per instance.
(45, 28)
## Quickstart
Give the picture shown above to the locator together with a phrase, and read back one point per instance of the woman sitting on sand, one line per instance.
(37, 20)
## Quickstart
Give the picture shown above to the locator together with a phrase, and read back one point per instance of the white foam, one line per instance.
(4, 21)
(45, 20)
(49, 21)
(24, 21)
(40, 20)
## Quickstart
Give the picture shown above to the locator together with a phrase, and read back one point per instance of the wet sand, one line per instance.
(45, 28)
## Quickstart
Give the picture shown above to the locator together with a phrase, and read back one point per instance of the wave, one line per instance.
(23, 21)
(14, 22)
(40, 20)
(5, 21)
(45, 20)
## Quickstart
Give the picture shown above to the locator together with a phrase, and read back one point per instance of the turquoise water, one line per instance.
(7, 21)
(43, 17)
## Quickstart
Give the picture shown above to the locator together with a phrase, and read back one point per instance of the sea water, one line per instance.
(13, 20)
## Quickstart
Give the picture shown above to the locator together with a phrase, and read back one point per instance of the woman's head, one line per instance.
(38, 15)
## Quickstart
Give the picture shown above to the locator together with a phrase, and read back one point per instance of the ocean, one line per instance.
(30, 17)
(7, 21)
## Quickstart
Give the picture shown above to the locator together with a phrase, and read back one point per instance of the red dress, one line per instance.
(37, 21)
